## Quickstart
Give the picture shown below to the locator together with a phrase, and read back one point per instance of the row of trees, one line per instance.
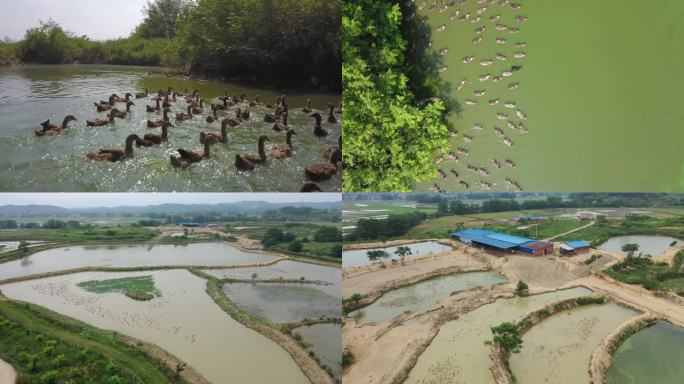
(394, 225)
(50, 224)
(379, 255)
(288, 42)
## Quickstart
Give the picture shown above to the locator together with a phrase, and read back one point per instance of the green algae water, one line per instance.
(599, 86)
(32, 94)
(653, 355)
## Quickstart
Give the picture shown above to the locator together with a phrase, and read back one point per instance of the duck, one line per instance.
(142, 95)
(197, 109)
(244, 115)
(188, 157)
(270, 118)
(331, 114)
(327, 152)
(221, 107)
(277, 103)
(151, 139)
(310, 187)
(124, 99)
(247, 162)
(318, 130)
(115, 154)
(235, 120)
(167, 102)
(105, 105)
(282, 124)
(156, 108)
(324, 171)
(53, 129)
(100, 122)
(185, 116)
(284, 150)
(307, 107)
(255, 102)
(158, 123)
(121, 114)
(222, 136)
(213, 117)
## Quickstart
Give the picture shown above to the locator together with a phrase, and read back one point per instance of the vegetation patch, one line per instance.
(649, 274)
(137, 287)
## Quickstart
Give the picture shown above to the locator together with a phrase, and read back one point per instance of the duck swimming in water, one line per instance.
(53, 129)
(156, 108)
(105, 105)
(235, 120)
(324, 171)
(318, 130)
(158, 123)
(328, 151)
(185, 116)
(151, 139)
(115, 154)
(281, 125)
(100, 122)
(249, 161)
(125, 99)
(197, 109)
(121, 114)
(221, 137)
(282, 151)
(307, 107)
(142, 95)
(187, 157)
(331, 114)
(310, 187)
(213, 116)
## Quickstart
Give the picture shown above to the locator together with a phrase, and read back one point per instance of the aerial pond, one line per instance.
(596, 78)
(423, 295)
(30, 95)
(648, 245)
(130, 255)
(358, 257)
(326, 343)
(169, 321)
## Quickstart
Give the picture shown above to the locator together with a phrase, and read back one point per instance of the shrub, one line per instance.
(522, 289)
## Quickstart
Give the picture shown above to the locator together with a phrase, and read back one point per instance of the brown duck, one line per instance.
(124, 99)
(53, 129)
(100, 122)
(235, 121)
(115, 154)
(213, 117)
(159, 123)
(221, 137)
(282, 124)
(310, 187)
(156, 108)
(188, 157)
(307, 108)
(282, 151)
(197, 109)
(247, 162)
(331, 114)
(151, 139)
(185, 116)
(324, 171)
(105, 105)
(318, 130)
(142, 95)
(121, 114)
(327, 152)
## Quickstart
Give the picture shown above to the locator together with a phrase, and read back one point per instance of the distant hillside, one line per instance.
(244, 207)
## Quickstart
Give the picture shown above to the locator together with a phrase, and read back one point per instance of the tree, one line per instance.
(630, 249)
(376, 255)
(295, 246)
(508, 336)
(23, 246)
(272, 237)
(161, 18)
(443, 207)
(288, 236)
(402, 252)
(327, 234)
(522, 289)
(391, 139)
(336, 250)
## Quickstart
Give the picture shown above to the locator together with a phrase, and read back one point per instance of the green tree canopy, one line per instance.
(161, 18)
(630, 249)
(391, 139)
(508, 336)
(403, 251)
(327, 234)
(376, 255)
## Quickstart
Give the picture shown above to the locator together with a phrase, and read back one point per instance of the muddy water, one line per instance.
(284, 302)
(326, 343)
(32, 94)
(458, 354)
(558, 350)
(130, 255)
(422, 295)
(648, 245)
(359, 257)
(652, 355)
(183, 321)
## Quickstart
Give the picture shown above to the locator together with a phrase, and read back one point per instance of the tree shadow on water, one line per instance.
(422, 63)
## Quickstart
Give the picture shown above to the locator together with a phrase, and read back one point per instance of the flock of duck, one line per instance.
(483, 15)
(276, 114)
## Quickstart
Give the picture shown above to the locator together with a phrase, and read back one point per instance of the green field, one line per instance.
(598, 78)
(652, 276)
(137, 287)
(645, 225)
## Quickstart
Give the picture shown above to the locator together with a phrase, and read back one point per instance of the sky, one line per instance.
(82, 200)
(98, 19)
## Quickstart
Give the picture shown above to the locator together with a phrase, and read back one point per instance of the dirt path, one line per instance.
(7, 373)
(570, 231)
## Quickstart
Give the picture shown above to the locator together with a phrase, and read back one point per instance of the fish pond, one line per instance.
(358, 257)
(648, 245)
(597, 83)
(424, 294)
(459, 355)
(129, 255)
(558, 349)
(326, 343)
(284, 302)
(30, 95)
(169, 321)
(653, 355)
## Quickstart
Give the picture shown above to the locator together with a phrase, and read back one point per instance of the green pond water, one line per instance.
(32, 94)
(459, 355)
(600, 86)
(648, 245)
(326, 343)
(129, 255)
(653, 355)
(558, 350)
(423, 295)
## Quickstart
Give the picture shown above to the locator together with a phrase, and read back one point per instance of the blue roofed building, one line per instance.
(575, 247)
(496, 242)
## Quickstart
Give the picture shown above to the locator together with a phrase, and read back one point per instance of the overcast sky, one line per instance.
(98, 19)
(79, 200)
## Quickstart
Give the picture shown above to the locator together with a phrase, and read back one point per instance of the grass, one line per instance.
(45, 347)
(136, 287)
(82, 235)
(646, 225)
(653, 276)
